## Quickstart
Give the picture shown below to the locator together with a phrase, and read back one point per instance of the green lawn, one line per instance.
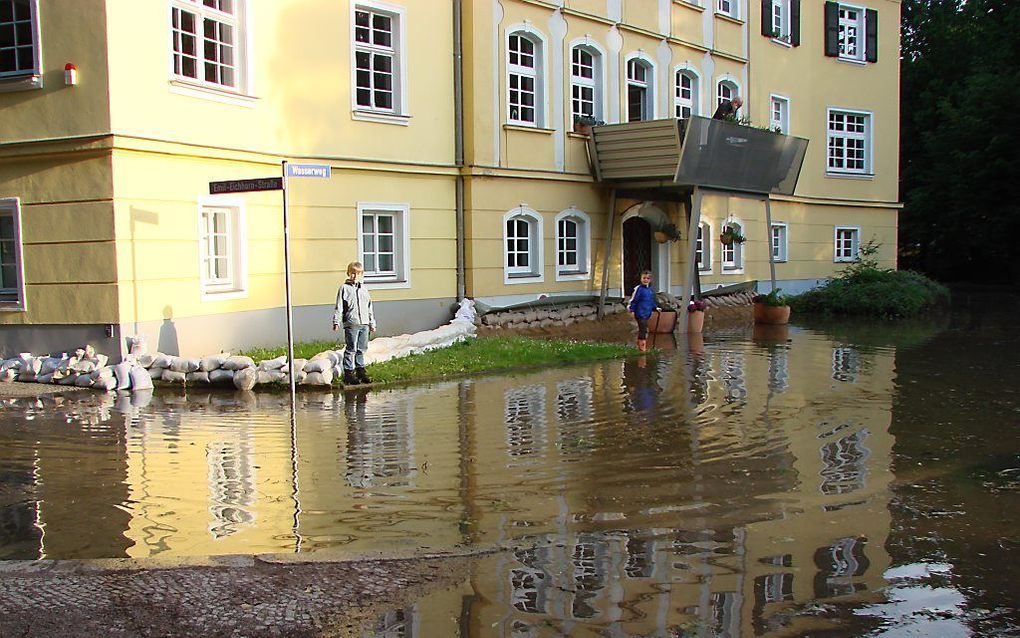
(470, 357)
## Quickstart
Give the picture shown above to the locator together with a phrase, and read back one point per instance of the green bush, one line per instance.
(865, 289)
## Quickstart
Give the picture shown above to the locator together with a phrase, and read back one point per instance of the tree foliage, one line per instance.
(960, 138)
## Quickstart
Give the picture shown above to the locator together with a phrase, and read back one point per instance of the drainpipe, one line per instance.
(458, 114)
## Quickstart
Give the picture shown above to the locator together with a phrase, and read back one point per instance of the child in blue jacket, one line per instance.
(642, 303)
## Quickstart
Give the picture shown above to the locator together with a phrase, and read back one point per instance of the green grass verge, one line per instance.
(490, 354)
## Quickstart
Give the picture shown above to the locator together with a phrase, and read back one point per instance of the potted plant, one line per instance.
(730, 235)
(583, 124)
(696, 315)
(667, 232)
(771, 308)
(663, 320)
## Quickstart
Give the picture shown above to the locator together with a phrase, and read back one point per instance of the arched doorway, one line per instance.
(637, 251)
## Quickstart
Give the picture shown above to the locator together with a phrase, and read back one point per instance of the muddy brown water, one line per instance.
(826, 479)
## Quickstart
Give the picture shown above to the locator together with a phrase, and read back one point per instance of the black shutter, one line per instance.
(871, 35)
(832, 29)
(795, 22)
(766, 18)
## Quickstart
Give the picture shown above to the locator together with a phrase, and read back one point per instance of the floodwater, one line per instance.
(843, 479)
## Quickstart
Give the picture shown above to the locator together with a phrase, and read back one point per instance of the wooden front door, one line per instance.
(637, 252)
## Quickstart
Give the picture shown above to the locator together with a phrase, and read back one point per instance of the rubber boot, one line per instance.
(362, 375)
(642, 345)
(350, 378)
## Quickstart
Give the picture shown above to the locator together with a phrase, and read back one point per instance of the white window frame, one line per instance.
(582, 270)
(537, 73)
(781, 248)
(400, 277)
(780, 20)
(242, 47)
(783, 121)
(26, 78)
(11, 206)
(867, 137)
(680, 102)
(843, 27)
(399, 114)
(535, 271)
(734, 88)
(855, 244)
(704, 246)
(735, 265)
(596, 83)
(237, 285)
(730, 8)
(650, 102)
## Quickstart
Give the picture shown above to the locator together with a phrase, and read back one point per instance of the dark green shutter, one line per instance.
(795, 22)
(766, 18)
(832, 29)
(871, 35)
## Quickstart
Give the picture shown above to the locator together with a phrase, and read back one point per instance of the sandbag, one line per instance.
(103, 373)
(221, 376)
(9, 364)
(44, 378)
(319, 378)
(197, 377)
(213, 362)
(273, 364)
(171, 376)
(68, 380)
(122, 371)
(160, 360)
(299, 364)
(140, 379)
(156, 373)
(246, 378)
(298, 378)
(100, 360)
(139, 347)
(317, 365)
(84, 367)
(270, 376)
(105, 384)
(8, 375)
(84, 381)
(330, 355)
(238, 363)
(49, 365)
(145, 360)
(180, 364)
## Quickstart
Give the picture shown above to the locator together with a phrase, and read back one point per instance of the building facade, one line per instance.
(449, 127)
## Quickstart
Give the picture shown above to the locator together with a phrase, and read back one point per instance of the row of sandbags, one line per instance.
(240, 371)
(84, 369)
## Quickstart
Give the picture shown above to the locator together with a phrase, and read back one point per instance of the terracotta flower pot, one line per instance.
(726, 240)
(582, 129)
(695, 321)
(662, 321)
(775, 315)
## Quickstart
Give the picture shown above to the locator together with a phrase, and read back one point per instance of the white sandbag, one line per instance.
(66, 365)
(27, 376)
(329, 355)
(270, 376)
(238, 363)
(9, 364)
(181, 364)
(156, 373)
(106, 384)
(299, 378)
(103, 373)
(84, 381)
(100, 360)
(160, 360)
(84, 367)
(44, 378)
(317, 365)
(246, 378)
(8, 375)
(30, 365)
(139, 347)
(145, 360)
(68, 380)
(213, 362)
(89, 352)
(140, 379)
(171, 376)
(319, 378)
(122, 372)
(299, 364)
(273, 364)
(466, 313)
(197, 377)
(221, 376)
(49, 365)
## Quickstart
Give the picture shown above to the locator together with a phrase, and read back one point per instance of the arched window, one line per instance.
(704, 247)
(733, 253)
(525, 79)
(573, 245)
(522, 246)
(686, 98)
(640, 90)
(726, 90)
(585, 82)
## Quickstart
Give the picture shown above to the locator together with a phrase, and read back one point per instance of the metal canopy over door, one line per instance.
(637, 252)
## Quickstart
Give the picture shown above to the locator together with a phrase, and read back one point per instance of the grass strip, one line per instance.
(488, 354)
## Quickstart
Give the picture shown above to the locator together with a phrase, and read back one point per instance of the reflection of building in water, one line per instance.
(231, 483)
(731, 373)
(839, 566)
(524, 415)
(779, 370)
(846, 363)
(380, 443)
(397, 623)
(529, 582)
(844, 464)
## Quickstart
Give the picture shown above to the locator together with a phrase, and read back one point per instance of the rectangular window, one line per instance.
(12, 282)
(781, 19)
(221, 249)
(518, 245)
(383, 242)
(684, 99)
(727, 7)
(703, 254)
(376, 39)
(851, 33)
(583, 86)
(847, 244)
(849, 143)
(779, 114)
(208, 42)
(19, 46)
(779, 242)
(523, 66)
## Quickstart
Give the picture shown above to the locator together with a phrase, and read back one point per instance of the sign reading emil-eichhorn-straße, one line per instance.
(246, 185)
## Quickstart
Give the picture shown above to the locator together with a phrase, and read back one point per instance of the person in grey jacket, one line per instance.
(354, 312)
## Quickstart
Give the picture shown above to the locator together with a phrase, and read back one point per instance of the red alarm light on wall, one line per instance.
(70, 74)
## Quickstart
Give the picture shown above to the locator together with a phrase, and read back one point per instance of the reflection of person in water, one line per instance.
(640, 383)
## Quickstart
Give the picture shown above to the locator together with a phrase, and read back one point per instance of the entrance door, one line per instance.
(637, 252)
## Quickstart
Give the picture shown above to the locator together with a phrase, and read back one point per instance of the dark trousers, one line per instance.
(642, 327)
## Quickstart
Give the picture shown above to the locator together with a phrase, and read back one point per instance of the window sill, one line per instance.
(528, 129)
(573, 275)
(844, 261)
(704, 271)
(781, 43)
(11, 306)
(181, 87)
(21, 83)
(380, 117)
(689, 5)
(728, 18)
(853, 61)
(578, 136)
(732, 271)
(523, 278)
(226, 295)
(388, 284)
(857, 176)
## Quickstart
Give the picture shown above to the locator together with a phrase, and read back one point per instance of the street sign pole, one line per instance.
(286, 279)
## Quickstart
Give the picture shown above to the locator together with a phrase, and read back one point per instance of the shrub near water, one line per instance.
(865, 289)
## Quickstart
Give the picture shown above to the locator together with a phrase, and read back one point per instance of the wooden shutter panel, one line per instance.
(832, 29)
(871, 35)
(766, 18)
(795, 22)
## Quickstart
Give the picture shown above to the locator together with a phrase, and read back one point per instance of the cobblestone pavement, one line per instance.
(239, 596)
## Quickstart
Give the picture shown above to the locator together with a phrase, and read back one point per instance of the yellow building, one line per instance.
(449, 128)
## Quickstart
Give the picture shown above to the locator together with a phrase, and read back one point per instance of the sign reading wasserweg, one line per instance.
(322, 171)
(246, 185)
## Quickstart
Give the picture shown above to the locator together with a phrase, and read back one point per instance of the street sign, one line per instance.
(246, 185)
(321, 171)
